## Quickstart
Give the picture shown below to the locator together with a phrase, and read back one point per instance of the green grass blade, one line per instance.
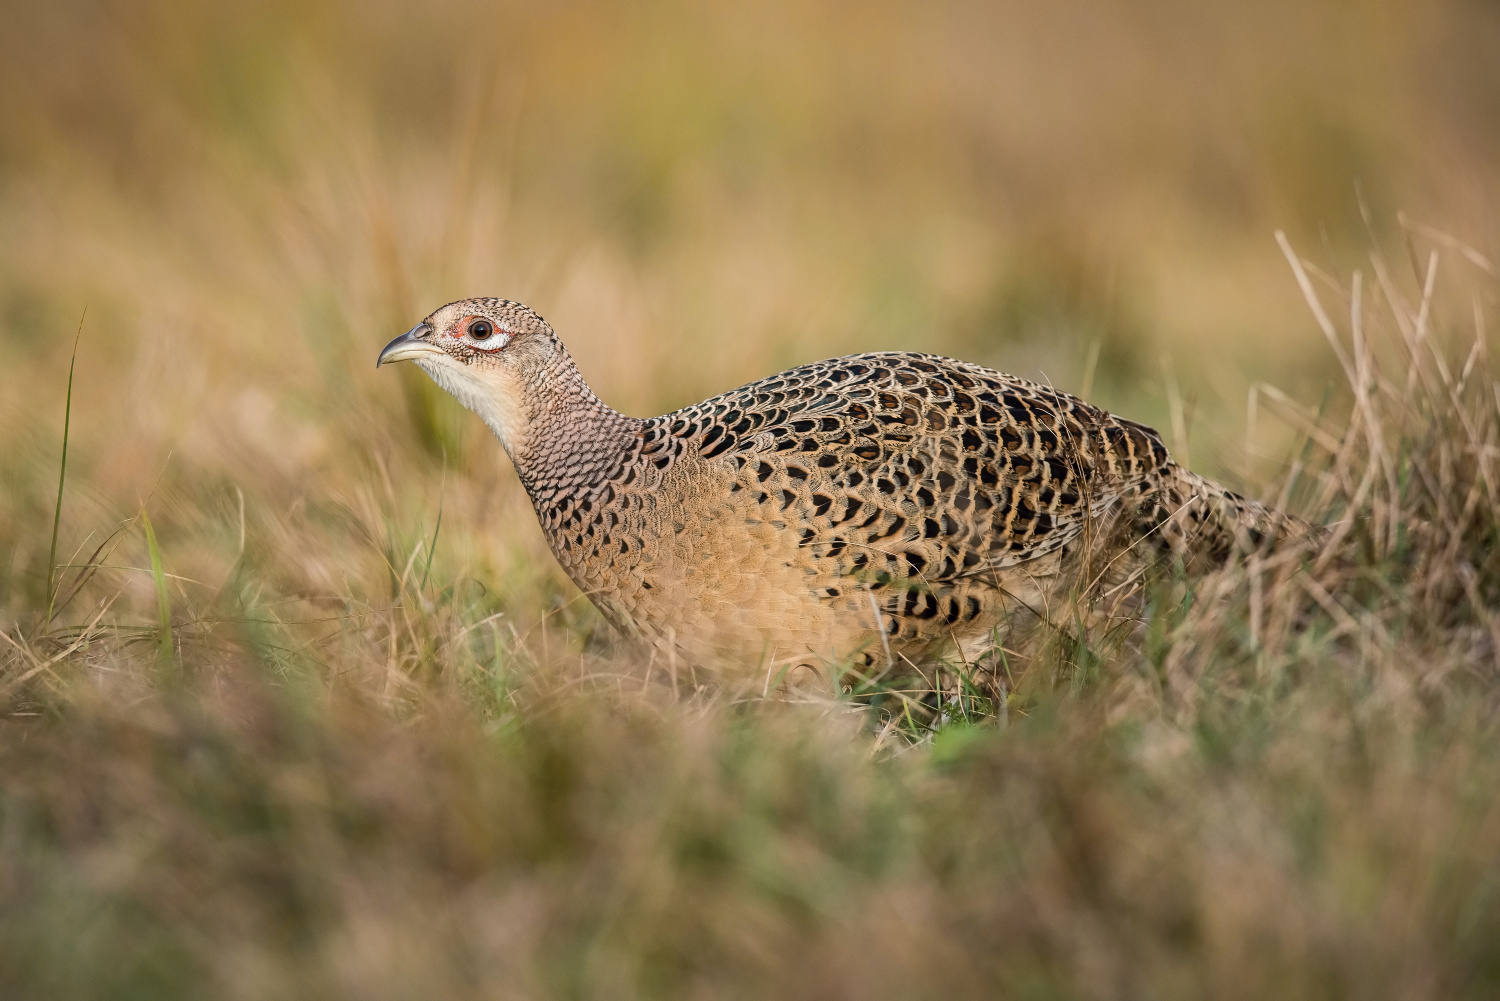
(432, 546)
(62, 475)
(163, 604)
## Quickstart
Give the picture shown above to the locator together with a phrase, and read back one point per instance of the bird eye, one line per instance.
(481, 330)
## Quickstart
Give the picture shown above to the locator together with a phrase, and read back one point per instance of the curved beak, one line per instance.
(409, 345)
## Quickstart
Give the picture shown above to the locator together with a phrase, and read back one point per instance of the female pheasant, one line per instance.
(878, 502)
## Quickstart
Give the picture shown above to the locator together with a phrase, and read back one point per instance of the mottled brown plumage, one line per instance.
(894, 500)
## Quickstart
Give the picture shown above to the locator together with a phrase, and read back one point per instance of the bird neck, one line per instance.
(568, 441)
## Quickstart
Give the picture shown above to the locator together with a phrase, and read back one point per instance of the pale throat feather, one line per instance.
(504, 413)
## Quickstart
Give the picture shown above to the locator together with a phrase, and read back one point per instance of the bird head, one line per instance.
(493, 355)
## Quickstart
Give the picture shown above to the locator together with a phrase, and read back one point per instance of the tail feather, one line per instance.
(1196, 519)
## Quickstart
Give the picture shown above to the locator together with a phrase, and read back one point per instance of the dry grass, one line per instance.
(307, 710)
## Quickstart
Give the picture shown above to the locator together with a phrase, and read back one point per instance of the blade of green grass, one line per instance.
(90, 567)
(163, 604)
(62, 473)
(432, 546)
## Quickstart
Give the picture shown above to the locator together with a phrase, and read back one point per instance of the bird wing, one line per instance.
(901, 465)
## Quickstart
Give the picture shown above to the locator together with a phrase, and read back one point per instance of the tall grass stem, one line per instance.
(62, 473)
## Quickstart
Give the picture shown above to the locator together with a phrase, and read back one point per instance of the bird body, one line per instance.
(893, 502)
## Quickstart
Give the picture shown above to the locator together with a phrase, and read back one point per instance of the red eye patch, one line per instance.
(478, 329)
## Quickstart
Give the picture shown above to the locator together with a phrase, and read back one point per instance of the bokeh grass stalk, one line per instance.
(62, 475)
(163, 599)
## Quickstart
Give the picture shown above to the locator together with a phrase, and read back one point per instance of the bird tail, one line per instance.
(1194, 518)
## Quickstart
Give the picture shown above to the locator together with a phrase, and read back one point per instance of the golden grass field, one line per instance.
(294, 702)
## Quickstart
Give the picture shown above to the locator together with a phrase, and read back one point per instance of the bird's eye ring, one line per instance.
(481, 330)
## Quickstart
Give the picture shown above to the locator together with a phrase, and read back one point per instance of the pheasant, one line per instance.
(890, 503)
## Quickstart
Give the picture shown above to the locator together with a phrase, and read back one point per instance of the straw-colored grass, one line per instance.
(294, 702)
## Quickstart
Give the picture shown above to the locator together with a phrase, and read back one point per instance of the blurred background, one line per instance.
(332, 724)
(250, 199)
